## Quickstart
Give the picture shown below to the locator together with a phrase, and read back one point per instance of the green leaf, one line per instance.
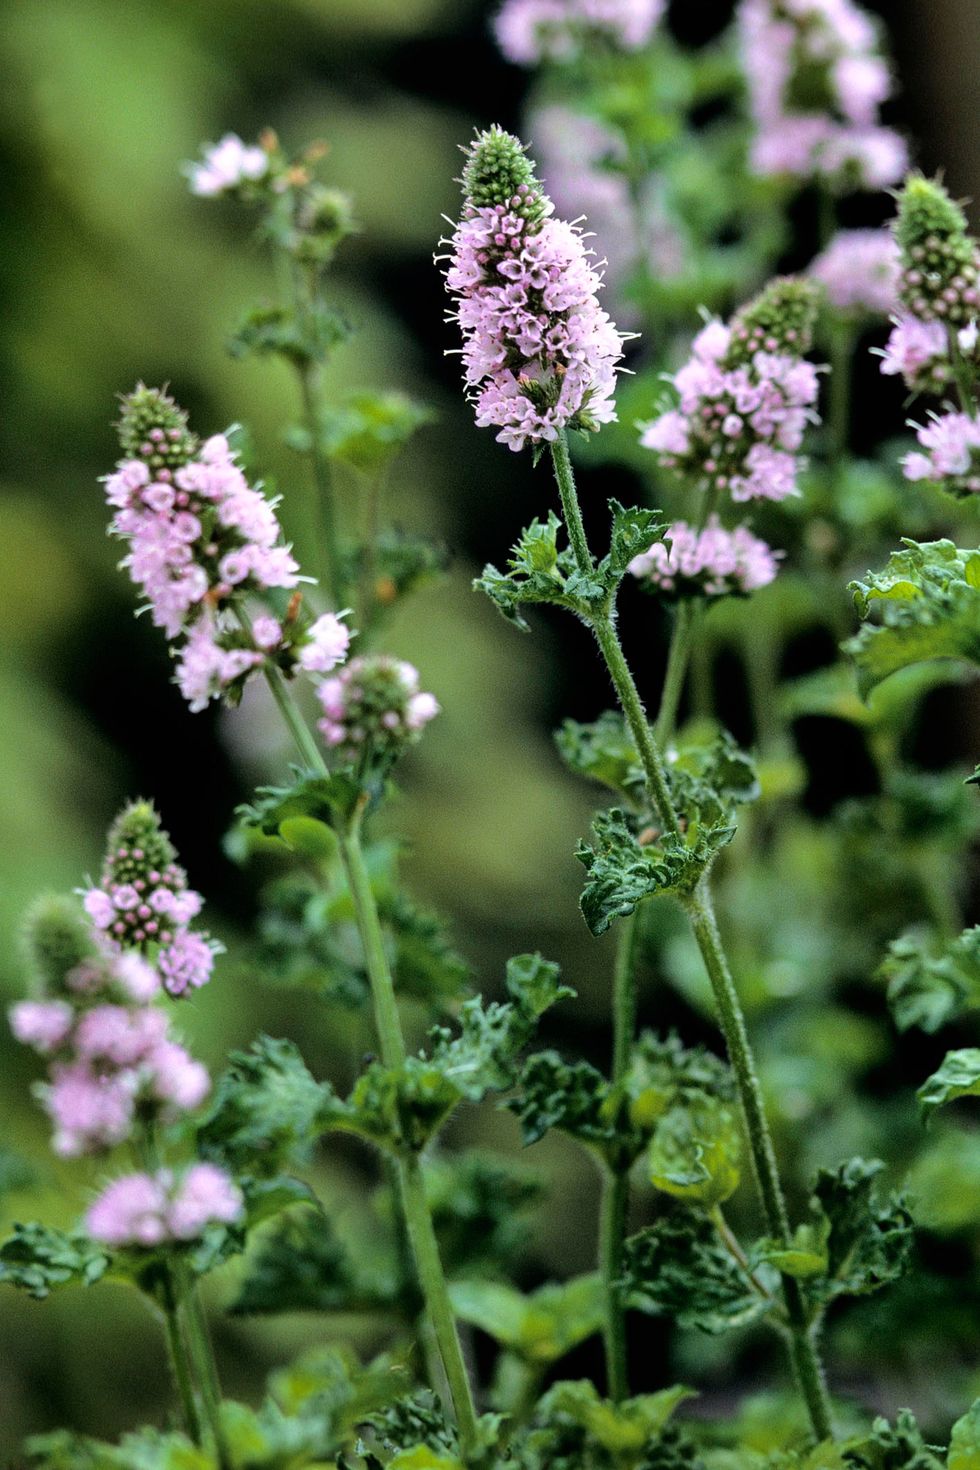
(622, 872)
(625, 1429)
(147, 1449)
(663, 1072)
(634, 530)
(679, 1268)
(928, 598)
(571, 1096)
(424, 962)
(695, 1151)
(868, 1244)
(303, 1266)
(422, 1458)
(323, 799)
(396, 1108)
(602, 750)
(893, 1448)
(959, 1076)
(964, 1443)
(266, 1110)
(369, 429)
(928, 988)
(540, 1327)
(533, 986)
(478, 1202)
(331, 1382)
(39, 1260)
(539, 573)
(803, 1257)
(483, 1057)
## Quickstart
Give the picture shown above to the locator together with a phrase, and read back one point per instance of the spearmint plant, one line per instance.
(738, 1197)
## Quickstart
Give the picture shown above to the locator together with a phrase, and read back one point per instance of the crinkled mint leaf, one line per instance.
(663, 1072)
(898, 1447)
(266, 1110)
(303, 1266)
(622, 872)
(397, 1108)
(868, 1243)
(39, 1260)
(695, 1151)
(964, 1442)
(540, 1327)
(369, 429)
(679, 1268)
(959, 1076)
(571, 1096)
(634, 530)
(928, 602)
(930, 986)
(311, 796)
(625, 1429)
(603, 750)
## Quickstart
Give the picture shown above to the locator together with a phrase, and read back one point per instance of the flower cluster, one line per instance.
(539, 354)
(111, 1055)
(226, 166)
(935, 338)
(917, 352)
(148, 1210)
(940, 276)
(711, 562)
(948, 453)
(745, 399)
(143, 902)
(373, 708)
(201, 541)
(859, 272)
(531, 31)
(816, 82)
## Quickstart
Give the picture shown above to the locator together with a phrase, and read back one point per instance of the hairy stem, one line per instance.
(202, 1354)
(179, 1358)
(700, 911)
(962, 373)
(418, 1219)
(310, 375)
(678, 658)
(613, 1210)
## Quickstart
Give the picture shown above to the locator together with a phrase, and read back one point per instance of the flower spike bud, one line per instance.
(373, 709)
(153, 428)
(939, 280)
(498, 172)
(780, 319)
(58, 940)
(137, 846)
(539, 354)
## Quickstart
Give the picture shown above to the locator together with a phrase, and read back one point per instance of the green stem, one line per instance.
(203, 1356)
(179, 1360)
(962, 374)
(803, 1347)
(678, 658)
(310, 378)
(418, 1218)
(701, 914)
(839, 392)
(613, 1210)
(614, 1204)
